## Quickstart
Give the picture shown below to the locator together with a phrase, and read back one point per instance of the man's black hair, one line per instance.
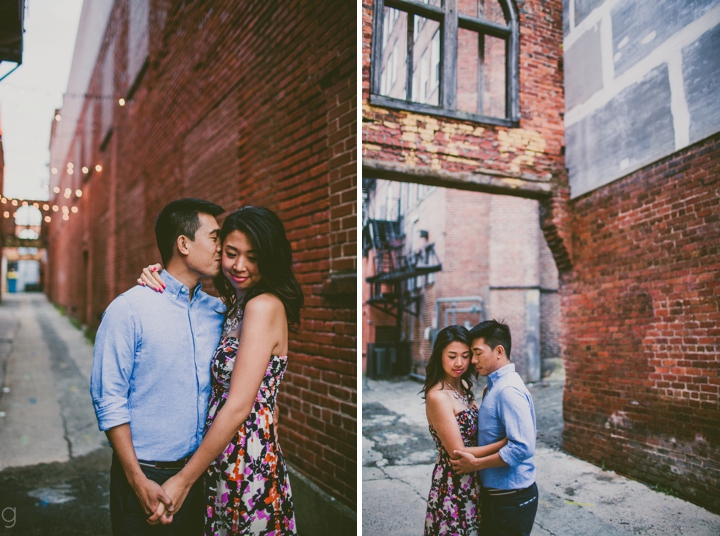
(178, 218)
(494, 334)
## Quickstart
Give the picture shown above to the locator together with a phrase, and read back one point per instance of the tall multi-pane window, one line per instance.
(456, 58)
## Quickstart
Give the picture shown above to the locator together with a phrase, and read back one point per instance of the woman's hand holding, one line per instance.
(150, 277)
(177, 489)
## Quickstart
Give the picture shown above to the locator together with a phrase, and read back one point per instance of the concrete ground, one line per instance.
(54, 462)
(576, 498)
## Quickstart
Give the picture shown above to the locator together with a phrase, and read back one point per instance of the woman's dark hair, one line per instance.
(434, 372)
(267, 237)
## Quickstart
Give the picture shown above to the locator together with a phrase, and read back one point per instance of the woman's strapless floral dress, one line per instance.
(247, 486)
(453, 506)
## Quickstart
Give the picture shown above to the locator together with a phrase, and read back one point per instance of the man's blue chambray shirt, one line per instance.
(151, 367)
(508, 411)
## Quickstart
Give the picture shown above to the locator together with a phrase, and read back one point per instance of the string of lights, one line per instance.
(70, 169)
(44, 207)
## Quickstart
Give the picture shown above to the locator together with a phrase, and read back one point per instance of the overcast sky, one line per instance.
(30, 95)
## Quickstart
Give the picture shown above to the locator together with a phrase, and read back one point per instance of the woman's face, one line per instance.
(239, 261)
(455, 359)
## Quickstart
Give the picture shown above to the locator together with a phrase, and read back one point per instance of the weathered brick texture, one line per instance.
(641, 312)
(239, 104)
(535, 147)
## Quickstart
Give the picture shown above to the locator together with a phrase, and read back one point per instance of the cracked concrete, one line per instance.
(46, 406)
(576, 497)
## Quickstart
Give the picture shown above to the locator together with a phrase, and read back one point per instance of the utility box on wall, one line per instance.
(388, 359)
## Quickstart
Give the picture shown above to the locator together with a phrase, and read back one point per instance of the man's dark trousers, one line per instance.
(509, 515)
(129, 519)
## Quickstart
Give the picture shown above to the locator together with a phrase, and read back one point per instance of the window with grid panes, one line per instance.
(453, 58)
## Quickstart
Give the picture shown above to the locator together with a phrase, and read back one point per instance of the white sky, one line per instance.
(30, 95)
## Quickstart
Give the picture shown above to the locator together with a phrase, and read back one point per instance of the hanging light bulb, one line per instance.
(24, 203)
(54, 171)
(55, 208)
(85, 169)
(121, 102)
(74, 210)
(56, 189)
(66, 217)
(57, 117)
(67, 193)
(46, 207)
(14, 202)
(78, 193)
(3, 200)
(6, 214)
(48, 219)
(65, 210)
(98, 168)
(70, 171)
(36, 205)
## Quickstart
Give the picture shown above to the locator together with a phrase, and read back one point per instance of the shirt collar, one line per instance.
(176, 288)
(499, 373)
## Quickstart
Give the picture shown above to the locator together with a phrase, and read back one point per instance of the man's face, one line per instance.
(204, 252)
(485, 359)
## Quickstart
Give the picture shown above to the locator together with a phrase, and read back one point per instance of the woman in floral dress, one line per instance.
(246, 480)
(453, 506)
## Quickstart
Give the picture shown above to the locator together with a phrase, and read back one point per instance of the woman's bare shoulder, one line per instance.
(436, 394)
(265, 303)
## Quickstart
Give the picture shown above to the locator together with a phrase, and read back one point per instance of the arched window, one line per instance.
(453, 58)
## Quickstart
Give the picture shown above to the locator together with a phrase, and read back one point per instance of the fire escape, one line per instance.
(392, 287)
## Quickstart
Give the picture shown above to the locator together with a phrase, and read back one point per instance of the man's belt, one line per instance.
(178, 464)
(494, 492)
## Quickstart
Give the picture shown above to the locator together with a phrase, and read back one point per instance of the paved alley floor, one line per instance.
(576, 498)
(54, 462)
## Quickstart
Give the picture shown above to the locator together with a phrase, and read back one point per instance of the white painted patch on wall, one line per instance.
(649, 37)
(618, 420)
(606, 51)
(613, 86)
(678, 103)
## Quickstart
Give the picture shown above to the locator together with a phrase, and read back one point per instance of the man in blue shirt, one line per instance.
(150, 379)
(509, 495)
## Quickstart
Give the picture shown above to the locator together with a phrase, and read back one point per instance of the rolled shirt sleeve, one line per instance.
(517, 418)
(113, 360)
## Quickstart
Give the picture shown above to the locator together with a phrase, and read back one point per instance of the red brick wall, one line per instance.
(641, 311)
(240, 105)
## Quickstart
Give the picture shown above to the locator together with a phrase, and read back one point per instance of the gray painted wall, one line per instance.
(641, 82)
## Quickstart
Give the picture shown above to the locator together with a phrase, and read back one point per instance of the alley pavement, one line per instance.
(575, 497)
(54, 462)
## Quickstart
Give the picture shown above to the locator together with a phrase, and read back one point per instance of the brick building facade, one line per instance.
(494, 259)
(239, 105)
(641, 301)
(620, 93)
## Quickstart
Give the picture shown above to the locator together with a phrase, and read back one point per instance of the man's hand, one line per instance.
(150, 495)
(464, 464)
(161, 516)
(177, 489)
